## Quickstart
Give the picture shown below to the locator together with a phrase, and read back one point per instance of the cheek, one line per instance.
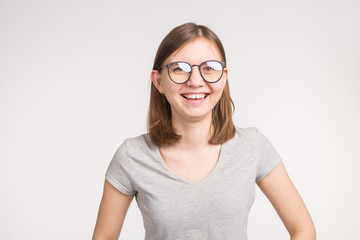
(164, 81)
(218, 89)
(171, 92)
(168, 89)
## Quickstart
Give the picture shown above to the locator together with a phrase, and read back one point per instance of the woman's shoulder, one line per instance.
(137, 139)
(246, 135)
(139, 143)
(251, 137)
(246, 132)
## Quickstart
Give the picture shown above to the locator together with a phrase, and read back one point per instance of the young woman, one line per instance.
(194, 173)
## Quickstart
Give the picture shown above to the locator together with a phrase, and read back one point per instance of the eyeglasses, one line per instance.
(180, 72)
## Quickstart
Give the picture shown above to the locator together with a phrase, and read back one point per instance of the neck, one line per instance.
(194, 135)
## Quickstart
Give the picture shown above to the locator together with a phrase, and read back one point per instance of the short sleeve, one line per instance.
(118, 172)
(267, 157)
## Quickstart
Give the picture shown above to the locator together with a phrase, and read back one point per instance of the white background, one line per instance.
(74, 82)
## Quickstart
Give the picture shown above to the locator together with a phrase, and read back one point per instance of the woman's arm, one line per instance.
(288, 203)
(112, 212)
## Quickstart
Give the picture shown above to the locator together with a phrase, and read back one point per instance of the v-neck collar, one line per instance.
(185, 180)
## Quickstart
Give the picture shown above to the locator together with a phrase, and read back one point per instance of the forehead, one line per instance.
(196, 51)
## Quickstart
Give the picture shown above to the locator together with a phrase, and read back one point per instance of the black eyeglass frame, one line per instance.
(223, 64)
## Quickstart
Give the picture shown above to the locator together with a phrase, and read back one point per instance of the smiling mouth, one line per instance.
(195, 96)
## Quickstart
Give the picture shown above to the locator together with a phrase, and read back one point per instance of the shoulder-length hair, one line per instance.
(159, 123)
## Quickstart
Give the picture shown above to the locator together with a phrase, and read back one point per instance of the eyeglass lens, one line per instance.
(211, 71)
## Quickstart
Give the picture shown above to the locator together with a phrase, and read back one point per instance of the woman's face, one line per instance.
(195, 99)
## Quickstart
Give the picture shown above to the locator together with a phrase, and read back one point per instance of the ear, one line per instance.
(226, 73)
(156, 80)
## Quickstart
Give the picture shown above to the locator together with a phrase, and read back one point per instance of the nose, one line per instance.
(196, 79)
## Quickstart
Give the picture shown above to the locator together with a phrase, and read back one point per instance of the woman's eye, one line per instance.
(208, 69)
(178, 69)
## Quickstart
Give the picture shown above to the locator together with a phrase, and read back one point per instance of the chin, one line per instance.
(198, 116)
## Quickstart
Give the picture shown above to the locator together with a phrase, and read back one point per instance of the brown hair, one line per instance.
(159, 116)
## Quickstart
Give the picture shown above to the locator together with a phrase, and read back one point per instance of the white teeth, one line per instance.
(194, 96)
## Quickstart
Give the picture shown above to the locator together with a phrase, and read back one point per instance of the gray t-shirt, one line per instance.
(174, 208)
